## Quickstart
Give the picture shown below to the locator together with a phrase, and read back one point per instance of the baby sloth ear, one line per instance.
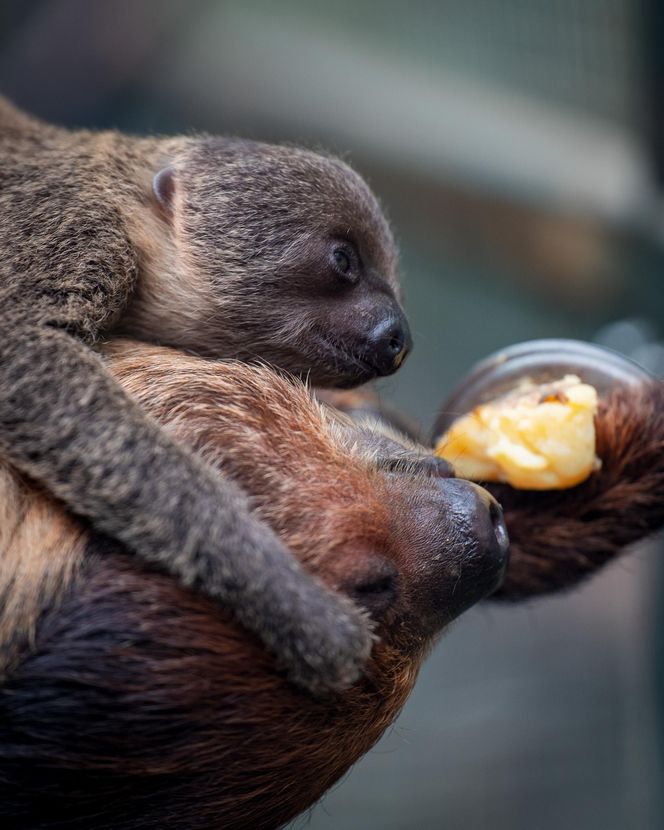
(163, 187)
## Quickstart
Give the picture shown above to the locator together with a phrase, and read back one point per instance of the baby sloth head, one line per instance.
(298, 258)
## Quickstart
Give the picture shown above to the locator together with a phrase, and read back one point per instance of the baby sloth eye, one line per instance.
(341, 260)
(345, 264)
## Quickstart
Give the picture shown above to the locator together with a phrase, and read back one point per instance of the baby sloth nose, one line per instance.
(389, 343)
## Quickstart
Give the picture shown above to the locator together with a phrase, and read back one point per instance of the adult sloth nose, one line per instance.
(481, 557)
(489, 525)
(467, 549)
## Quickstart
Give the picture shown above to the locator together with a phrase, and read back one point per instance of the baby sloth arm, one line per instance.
(66, 423)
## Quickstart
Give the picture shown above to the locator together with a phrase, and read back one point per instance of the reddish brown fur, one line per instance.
(142, 705)
(41, 550)
(193, 725)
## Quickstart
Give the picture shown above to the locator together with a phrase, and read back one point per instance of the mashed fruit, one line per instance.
(537, 437)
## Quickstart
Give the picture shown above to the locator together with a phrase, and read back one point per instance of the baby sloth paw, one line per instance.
(333, 650)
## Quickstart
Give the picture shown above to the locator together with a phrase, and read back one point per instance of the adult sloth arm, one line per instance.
(559, 537)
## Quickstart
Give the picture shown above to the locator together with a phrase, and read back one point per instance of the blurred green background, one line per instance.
(518, 147)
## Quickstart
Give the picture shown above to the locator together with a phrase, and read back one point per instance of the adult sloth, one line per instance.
(129, 702)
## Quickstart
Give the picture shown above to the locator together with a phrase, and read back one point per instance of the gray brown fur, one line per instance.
(232, 267)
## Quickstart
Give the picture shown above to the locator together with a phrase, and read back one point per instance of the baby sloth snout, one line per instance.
(389, 344)
(462, 528)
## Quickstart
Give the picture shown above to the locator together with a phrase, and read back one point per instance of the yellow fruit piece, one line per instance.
(538, 437)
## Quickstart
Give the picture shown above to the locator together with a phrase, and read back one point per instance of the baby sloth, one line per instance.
(221, 247)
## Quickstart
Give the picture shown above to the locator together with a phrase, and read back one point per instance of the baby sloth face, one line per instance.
(299, 257)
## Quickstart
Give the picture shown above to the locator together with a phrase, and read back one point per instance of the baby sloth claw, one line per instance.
(221, 247)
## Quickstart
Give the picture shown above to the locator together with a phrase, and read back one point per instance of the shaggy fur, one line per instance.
(559, 537)
(232, 256)
(137, 704)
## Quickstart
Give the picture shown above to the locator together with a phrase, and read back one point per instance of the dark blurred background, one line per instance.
(518, 146)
